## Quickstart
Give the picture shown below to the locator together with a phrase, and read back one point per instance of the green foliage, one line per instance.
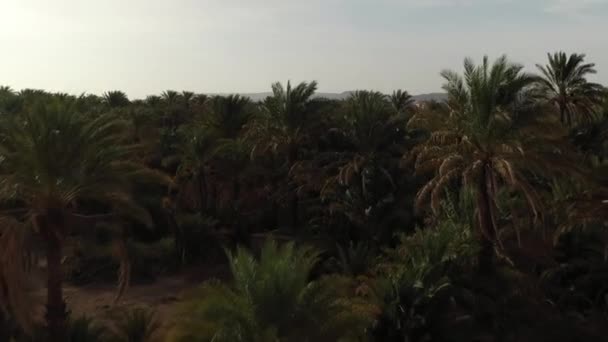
(115, 99)
(272, 299)
(414, 286)
(501, 175)
(356, 259)
(564, 85)
(487, 144)
(84, 329)
(196, 237)
(136, 325)
(579, 283)
(284, 115)
(402, 101)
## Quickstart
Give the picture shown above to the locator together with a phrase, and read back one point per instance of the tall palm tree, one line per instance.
(115, 99)
(170, 97)
(187, 97)
(6, 90)
(53, 161)
(10, 102)
(282, 127)
(481, 144)
(272, 299)
(153, 100)
(228, 115)
(361, 172)
(564, 84)
(284, 118)
(218, 137)
(402, 101)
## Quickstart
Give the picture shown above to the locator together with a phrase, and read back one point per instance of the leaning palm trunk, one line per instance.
(487, 232)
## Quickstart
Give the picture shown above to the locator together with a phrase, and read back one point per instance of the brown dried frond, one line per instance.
(444, 138)
(440, 186)
(428, 165)
(424, 193)
(432, 151)
(471, 172)
(449, 163)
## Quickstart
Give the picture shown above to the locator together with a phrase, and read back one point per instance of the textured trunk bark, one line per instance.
(178, 240)
(293, 201)
(485, 257)
(202, 192)
(56, 315)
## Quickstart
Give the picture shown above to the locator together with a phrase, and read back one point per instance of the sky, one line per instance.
(221, 46)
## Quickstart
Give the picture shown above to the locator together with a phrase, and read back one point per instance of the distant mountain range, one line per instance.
(344, 95)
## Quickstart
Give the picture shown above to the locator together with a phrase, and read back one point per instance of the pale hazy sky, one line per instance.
(147, 46)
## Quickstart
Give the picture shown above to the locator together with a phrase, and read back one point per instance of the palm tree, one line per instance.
(358, 178)
(53, 160)
(481, 144)
(402, 101)
(10, 102)
(228, 117)
(564, 85)
(170, 97)
(282, 125)
(115, 99)
(136, 325)
(218, 137)
(6, 90)
(272, 299)
(285, 115)
(187, 97)
(153, 100)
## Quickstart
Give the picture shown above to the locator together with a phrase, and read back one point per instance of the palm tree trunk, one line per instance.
(178, 236)
(485, 257)
(293, 195)
(213, 207)
(236, 190)
(202, 191)
(56, 315)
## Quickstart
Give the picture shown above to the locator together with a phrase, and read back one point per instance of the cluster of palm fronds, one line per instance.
(498, 176)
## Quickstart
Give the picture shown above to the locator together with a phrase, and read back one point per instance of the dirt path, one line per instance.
(97, 301)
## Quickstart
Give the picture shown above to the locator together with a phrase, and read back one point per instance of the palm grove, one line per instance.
(481, 217)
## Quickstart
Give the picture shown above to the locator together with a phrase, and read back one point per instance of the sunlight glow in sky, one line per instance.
(147, 46)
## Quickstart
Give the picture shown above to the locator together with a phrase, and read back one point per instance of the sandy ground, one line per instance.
(97, 301)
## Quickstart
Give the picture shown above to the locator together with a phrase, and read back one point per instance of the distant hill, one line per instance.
(344, 95)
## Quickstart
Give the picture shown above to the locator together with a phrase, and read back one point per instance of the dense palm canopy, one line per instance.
(52, 161)
(272, 299)
(564, 85)
(472, 216)
(402, 101)
(284, 117)
(358, 180)
(116, 98)
(481, 144)
(282, 128)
